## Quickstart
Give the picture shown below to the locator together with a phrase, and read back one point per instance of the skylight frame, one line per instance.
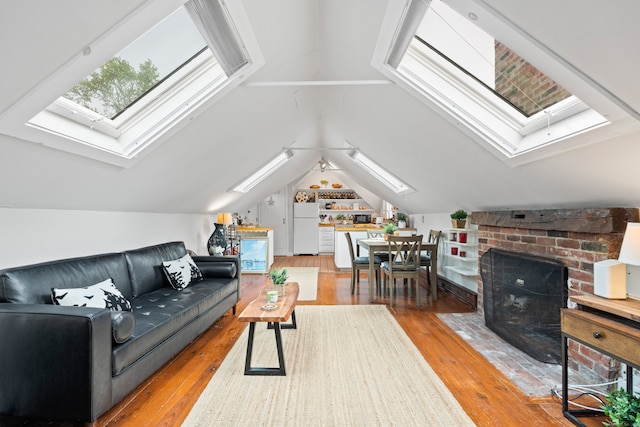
(397, 185)
(261, 174)
(29, 119)
(509, 140)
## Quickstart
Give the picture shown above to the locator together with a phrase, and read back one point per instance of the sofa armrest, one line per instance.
(208, 263)
(55, 361)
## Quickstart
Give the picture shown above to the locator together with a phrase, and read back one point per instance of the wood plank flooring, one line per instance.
(487, 396)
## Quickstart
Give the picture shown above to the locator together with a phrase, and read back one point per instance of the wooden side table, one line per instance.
(253, 313)
(611, 327)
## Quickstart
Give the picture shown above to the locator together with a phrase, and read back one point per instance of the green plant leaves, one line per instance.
(279, 277)
(622, 408)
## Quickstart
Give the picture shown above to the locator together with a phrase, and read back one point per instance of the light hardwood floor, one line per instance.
(487, 396)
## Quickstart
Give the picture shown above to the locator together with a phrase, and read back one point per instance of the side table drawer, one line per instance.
(615, 338)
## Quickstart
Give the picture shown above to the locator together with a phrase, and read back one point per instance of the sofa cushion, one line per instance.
(145, 266)
(181, 272)
(162, 313)
(122, 324)
(31, 284)
(101, 295)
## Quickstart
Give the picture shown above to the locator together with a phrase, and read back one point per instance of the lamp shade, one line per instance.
(225, 218)
(630, 251)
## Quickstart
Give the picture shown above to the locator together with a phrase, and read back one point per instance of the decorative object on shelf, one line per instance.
(402, 220)
(279, 279)
(302, 197)
(314, 186)
(324, 183)
(335, 185)
(459, 218)
(389, 228)
(217, 243)
(341, 218)
(462, 237)
(454, 250)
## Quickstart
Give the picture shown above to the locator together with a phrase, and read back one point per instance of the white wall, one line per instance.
(36, 235)
(433, 221)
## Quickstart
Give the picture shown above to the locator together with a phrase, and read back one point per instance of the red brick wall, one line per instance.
(578, 251)
(537, 90)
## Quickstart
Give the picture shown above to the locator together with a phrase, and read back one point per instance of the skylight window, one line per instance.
(507, 104)
(187, 59)
(262, 173)
(141, 66)
(381, 174)
(490, 62)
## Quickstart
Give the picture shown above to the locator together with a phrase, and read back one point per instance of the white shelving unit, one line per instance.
(460, 259)
(344, 199)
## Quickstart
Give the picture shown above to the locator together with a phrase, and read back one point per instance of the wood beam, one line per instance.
(596, 220)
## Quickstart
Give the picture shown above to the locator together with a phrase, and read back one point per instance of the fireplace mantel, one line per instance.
(597, 220)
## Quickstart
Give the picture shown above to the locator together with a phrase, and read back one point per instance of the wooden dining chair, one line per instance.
(403, 263)
(429, 260)
(361, 263)
(378, 234)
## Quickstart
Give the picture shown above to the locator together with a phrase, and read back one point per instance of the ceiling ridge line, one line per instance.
(320, 83)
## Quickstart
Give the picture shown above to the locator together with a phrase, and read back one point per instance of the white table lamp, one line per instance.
(630, 251)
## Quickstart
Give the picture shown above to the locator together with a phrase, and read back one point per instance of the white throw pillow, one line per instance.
(101, 295)
(181, 272)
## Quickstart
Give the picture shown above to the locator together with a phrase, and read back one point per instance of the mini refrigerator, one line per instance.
(305, 228)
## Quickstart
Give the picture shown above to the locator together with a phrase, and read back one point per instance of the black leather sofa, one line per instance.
(66, 363)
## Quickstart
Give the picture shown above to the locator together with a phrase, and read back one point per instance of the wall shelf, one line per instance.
(461, 270)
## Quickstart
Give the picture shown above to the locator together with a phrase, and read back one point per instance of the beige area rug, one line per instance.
(307, 278)
(346, 366)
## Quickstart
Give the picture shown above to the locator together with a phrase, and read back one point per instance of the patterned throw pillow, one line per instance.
(182, 272)
(101, 295)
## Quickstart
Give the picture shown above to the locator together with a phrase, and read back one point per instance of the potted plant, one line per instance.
(389, 228)
(623, 408)
(402, 219)
(459, 218)
(324, 183)
(279, 279)
(341, 217)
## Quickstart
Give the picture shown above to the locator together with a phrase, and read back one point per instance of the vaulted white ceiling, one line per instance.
(196, 164)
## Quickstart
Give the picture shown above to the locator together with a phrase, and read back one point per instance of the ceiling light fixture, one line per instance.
(263, 172)
(323, 164)
(396, 184)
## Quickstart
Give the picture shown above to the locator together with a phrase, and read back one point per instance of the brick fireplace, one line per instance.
(575, 237)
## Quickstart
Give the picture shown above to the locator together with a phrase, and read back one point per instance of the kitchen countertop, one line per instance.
(245, 229)
(356, 227)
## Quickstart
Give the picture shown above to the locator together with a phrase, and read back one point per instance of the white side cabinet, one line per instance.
(342, 257)
(459, 259)
(326, 239)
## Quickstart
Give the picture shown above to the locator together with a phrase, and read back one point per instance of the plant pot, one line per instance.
(402, 224)
(458, 223)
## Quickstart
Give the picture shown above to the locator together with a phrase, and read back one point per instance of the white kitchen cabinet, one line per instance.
(326, 239)
(341, 256)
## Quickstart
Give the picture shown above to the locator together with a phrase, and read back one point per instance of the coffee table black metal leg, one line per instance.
(291, 325)
(248, 370)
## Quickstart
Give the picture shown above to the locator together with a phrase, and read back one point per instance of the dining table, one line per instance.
(376, 244)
